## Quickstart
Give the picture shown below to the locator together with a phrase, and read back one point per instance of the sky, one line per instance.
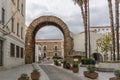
(69, 12)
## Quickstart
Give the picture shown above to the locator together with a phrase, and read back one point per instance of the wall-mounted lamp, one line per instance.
(28, 43)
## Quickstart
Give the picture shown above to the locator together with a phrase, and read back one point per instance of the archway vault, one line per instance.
(38, 24)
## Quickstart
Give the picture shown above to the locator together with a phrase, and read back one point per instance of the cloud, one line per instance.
(68, 12)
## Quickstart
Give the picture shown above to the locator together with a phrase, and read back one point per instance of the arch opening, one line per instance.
(98, 57)
(51, 40)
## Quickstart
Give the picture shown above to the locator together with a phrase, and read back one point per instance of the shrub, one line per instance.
(35, 70)
(117, 73)
(83, 60)
(55, 60)
(64, 61)
(75, 65)
(91, 68)
(24, 75)
(87, 61)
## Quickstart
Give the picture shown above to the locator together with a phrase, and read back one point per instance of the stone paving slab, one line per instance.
(14, 73)
(55, 73)
(102, 75)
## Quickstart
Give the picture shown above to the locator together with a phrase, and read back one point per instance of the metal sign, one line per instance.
(75, 59)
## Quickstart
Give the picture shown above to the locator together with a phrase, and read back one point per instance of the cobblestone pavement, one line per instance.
(58, 74)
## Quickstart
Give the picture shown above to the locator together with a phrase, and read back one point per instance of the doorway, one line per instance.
(1, 54)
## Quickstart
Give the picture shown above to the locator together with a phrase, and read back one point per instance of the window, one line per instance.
(44, 55)
(44, 48)
(3, 16)
(13, 1)
(18, 4)
(21, 52)
(12, 26)
(21, 32)
(22, 9)
(17, 51)
(17, 29)
(12, 50)
(39, 48)
(56, 48)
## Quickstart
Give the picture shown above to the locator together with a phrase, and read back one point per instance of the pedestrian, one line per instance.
(93, 62)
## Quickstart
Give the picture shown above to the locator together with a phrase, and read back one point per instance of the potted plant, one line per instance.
(91, 72)
(55, 61)
(35, 75)
(117, 75)
(64, 63)
(23, 76)
(75, 67)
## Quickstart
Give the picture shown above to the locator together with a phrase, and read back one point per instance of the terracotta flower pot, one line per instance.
(114, 78)
(23, 78)
(91, 75)
(35, 75)
(59, 64)
(75, 69)
(64, 66)
(56, 63)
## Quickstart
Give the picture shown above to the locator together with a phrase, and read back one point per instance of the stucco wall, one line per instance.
(11, 61)
(79, 42)
(10, 8)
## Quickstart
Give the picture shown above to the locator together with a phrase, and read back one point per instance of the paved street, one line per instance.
(50, 72)
(58, 74)
(59, 70)
(14, 73)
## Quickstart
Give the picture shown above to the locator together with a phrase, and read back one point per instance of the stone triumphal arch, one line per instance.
(38, 24)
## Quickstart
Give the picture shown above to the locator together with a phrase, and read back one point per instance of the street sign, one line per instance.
(75, 59)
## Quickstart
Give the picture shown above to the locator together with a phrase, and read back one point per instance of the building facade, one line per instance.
(105, 30)
(38, 53)
(12, 32)
(51, 47)
(79, 44)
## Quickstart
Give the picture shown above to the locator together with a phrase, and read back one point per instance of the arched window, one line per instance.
(44, 48)
(56, 48)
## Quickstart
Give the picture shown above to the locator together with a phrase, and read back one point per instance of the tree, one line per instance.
(112, 27)
(104, 43)
(83, 5)
(117, 25)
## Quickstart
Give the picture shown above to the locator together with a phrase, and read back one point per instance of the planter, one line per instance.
(64, 66)
(91, 75)
(75, 70)
(114, 78)
(59, 64)
(35, 75)
(23, 78)
(108, 67)
(56, 63)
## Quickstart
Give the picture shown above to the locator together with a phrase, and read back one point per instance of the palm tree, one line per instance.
(83, 6)
(117, 25)
(112, 27)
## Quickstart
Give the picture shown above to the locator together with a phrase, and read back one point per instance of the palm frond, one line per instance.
(79, 2)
